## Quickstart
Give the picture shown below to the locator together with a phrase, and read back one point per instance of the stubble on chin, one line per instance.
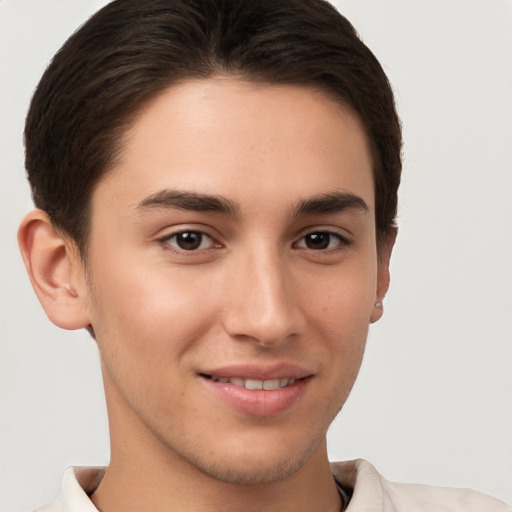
(246, 468)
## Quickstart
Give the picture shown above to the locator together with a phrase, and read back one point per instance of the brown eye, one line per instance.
(317, 240)
(321, 241)
(190, 241)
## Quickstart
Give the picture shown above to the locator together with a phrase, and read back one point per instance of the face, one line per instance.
(233, 275)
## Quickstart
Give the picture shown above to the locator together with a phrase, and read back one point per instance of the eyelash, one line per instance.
(191, 233)
(342, 242)
(200, 237)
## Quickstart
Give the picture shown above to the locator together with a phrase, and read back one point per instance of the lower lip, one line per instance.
(259, 402)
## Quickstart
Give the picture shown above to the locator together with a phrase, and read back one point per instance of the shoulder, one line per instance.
(372, 492)
(77, 484)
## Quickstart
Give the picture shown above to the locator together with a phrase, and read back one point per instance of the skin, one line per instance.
(258, 290)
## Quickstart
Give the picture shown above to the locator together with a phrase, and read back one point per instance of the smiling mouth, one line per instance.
(258, 391)
(254, 384)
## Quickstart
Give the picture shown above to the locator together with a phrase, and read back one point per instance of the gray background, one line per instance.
(433, 402)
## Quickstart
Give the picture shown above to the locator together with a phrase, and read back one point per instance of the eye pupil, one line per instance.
(189, 240)
(318, 241)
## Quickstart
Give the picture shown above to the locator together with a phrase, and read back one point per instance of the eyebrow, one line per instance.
(191, 201)
(334, 202)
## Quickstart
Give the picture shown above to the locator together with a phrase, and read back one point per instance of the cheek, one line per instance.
(137, 308)
(339, 311)
(342, 297)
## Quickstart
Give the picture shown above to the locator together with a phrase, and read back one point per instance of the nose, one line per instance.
(262, 306)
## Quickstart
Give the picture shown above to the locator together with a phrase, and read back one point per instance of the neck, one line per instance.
(147, 476)
(152, 486)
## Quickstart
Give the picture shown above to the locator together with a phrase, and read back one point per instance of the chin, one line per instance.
(253, 472)
(259, 464)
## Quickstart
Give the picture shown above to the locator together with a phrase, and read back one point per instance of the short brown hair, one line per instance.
(131, 50)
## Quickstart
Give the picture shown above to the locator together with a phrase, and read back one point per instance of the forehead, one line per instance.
(249, 142)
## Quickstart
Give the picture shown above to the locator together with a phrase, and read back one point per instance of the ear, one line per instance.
(384, 257)
(55, 270)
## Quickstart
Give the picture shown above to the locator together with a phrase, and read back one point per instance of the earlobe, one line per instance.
(377, 312)
(55, 271)
(383, 278)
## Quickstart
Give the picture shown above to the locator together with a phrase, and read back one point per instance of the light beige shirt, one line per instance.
(371, 493)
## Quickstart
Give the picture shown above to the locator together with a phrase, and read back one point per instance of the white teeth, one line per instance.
(273, 384)
(255, 383)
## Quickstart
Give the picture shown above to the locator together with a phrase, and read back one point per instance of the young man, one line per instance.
(216, 189)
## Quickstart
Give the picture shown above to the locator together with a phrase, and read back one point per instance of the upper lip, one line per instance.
(259, 372)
